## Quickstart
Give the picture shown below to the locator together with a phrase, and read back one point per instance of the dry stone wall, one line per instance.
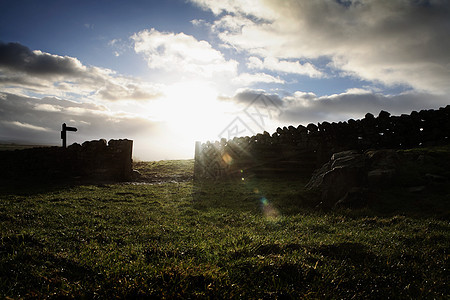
(96, 160)
(301, 149)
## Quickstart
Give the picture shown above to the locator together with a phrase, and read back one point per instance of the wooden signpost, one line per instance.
(66, 128)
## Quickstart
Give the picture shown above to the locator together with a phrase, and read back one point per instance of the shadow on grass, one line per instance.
(288, 196)
(356, 253)
(285, 194)
(20, 254)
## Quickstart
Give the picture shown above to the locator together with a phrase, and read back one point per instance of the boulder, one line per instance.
(338, 181)
(356, 197)
(344, 180)
(334, 179)
(380, 177)
(382, 166)
(383, 159)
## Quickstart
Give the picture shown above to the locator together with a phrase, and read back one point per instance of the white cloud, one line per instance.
(393, 42)
(181, 53)
(249, 79)
(251, 7)
(47, 107)
(200, 22)
(292, 67)
(27, 126)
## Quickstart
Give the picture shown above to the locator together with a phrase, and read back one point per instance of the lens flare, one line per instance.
(269, 211)
(227, 158)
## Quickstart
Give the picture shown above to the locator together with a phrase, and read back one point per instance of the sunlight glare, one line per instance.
(191, 112)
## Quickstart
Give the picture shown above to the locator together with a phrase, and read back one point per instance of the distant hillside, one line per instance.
(12, 146)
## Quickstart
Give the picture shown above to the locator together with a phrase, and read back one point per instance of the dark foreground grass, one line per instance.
(239, 239)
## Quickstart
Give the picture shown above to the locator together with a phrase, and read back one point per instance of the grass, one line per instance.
(168, 237)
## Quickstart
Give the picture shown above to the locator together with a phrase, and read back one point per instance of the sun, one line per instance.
(191, 111)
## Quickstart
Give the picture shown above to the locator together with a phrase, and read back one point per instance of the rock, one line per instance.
(416, 189)
(435, 178)
(369, 116)
(301, 128)
(338, 181)
(312, 127)
(341, 179)
(74, 147)
(346, 159)
(383, 115)
(380, 177)
(356, 197)
(334, 179)
(383, 159)
(341, 154)
(94, 146)
(317, 176)
(136, 175)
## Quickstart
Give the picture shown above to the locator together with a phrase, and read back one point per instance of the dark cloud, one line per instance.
(303, 108)
(19, 80)
(17, 57)
(247, 97)
(48, 74)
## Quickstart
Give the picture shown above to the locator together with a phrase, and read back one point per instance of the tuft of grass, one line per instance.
(171, 237)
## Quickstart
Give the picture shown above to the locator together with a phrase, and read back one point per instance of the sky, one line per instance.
(167, 73)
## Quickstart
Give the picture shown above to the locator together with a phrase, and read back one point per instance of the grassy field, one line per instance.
(167, 237)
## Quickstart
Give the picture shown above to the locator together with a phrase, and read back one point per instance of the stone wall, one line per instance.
(95, 160)
(302, 149)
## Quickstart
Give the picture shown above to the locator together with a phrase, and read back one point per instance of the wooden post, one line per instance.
(64, 135)
(64, 130)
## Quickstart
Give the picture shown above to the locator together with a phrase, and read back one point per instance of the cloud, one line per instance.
(302, 108)
(249, 79)
(119, 47)
(26, 126)
(16, 57)
(200, 22)
(292, 67)
(306, 107)
(181, 53)
(250, 7)
(64, 76)
(247, 96)
(396, 42)
(38, 120)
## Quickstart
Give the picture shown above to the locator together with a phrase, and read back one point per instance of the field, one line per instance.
(168, 237)
(11, 147)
